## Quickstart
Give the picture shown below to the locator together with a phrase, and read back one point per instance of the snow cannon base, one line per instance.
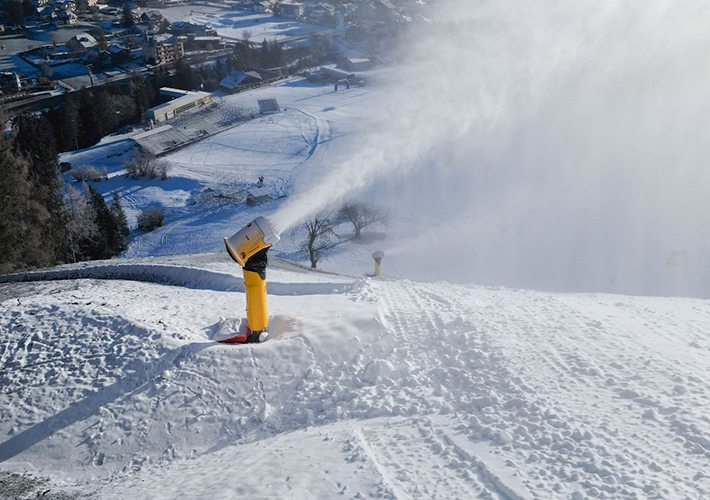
(236, 331)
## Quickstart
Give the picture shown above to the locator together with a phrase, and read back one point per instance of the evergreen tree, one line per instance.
(81, 228)
(127, 15)
(107, 237)
(46, 215)
(119, 217)
(277, 56)
(14, 195)
(264, 55)
(93, 113)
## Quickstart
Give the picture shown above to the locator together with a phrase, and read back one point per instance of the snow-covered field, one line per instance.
(112, 388)
(291, 150)
(239, 23)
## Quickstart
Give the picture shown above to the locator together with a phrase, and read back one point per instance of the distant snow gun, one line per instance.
(248, 248)
(378, 260)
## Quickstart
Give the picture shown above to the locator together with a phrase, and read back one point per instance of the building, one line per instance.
(261, 7)
(206, 43)
(9, 83)
(66, 17)
(169, 110)
(82, 43)
(237, 80)
(292, 10)
(188, 28)
(152, 17)
(86, 4)
(66, 5)
(356, 63)
(162, 48)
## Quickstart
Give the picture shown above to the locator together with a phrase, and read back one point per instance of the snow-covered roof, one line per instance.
(173, 92)
(86, 40)
(177, 103)
(236, 78)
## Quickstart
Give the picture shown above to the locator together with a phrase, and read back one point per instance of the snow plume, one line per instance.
(548, 144)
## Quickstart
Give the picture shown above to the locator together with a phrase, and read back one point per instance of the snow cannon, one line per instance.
(248, 248)
(378, 260)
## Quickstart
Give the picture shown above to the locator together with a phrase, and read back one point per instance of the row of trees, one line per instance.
(39, 227)
(320, 228)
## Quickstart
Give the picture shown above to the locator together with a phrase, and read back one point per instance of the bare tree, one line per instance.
(141, 163)
(362, 215)
(320, 237)
(151, 218)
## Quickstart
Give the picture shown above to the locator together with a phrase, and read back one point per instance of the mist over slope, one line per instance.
(548, 145)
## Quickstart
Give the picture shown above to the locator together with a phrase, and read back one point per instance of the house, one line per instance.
(86, 4)
(322, 13)
(46, 13)
(291, 10)
(152, 18)
(162, 48)
(236, 80)
(119, 52)
(187, 28)
(261, 7)
(206, 42)
(82, 42)
(65, 5)
(66, 18)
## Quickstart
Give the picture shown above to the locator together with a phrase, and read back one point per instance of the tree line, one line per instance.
(40, 225)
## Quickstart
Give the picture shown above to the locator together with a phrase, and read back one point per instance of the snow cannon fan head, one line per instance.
(378, 256)
(252, 238)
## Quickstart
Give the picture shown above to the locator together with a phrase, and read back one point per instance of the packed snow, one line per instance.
(366, 388)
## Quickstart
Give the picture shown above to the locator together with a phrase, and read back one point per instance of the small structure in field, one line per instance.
(258, 195)
(267, 106)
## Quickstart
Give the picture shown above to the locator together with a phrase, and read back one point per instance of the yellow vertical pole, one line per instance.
(255, 286)
(378, 260)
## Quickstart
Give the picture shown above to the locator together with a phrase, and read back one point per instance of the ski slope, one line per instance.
(112, 388)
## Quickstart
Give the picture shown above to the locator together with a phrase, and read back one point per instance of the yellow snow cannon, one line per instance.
(378, 260)
(249, 248)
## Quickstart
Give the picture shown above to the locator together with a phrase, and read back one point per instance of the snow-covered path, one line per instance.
(387, 388)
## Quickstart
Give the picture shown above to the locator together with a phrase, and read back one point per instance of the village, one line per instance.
(56, 47)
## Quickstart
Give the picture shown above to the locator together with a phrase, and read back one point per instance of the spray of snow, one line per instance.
(555, 145)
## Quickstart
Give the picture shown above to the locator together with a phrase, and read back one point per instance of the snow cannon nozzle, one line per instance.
(378, 260)
(378, 256)
(251, 239)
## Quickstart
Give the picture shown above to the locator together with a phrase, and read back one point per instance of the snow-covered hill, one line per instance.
(112, 388)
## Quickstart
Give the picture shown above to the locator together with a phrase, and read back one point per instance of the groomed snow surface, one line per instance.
(112, 388)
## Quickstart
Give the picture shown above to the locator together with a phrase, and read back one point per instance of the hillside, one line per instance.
(383, 388)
